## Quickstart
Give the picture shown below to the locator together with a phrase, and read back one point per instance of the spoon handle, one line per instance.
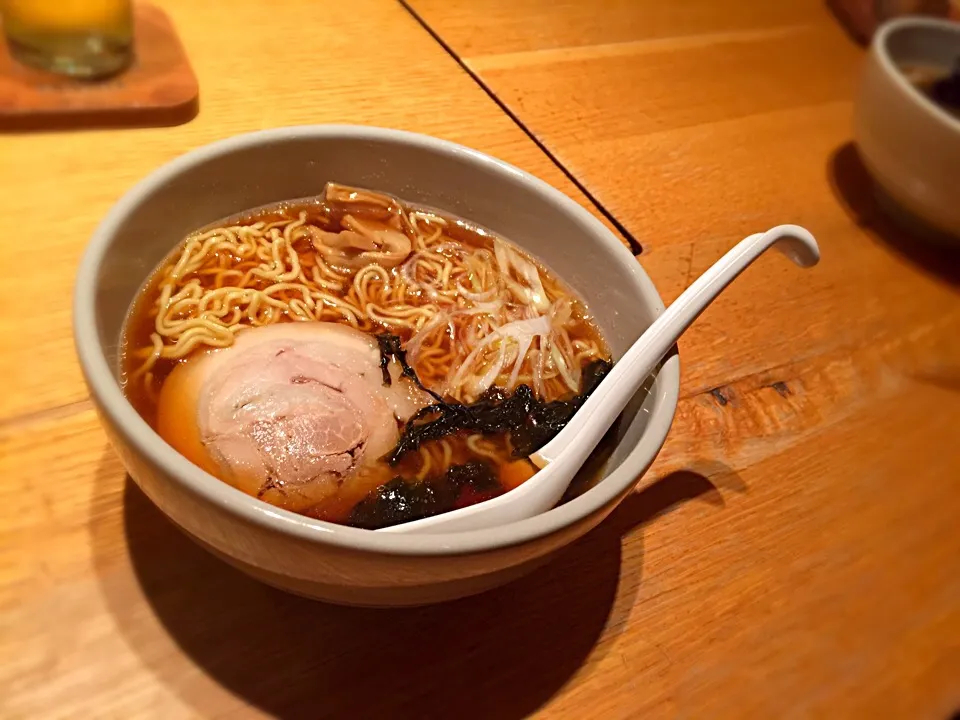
(581, 435)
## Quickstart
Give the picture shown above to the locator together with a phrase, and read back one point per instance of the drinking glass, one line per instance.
(79, 38)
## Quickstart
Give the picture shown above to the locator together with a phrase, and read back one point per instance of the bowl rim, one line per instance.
(881, 46)
(108, 396)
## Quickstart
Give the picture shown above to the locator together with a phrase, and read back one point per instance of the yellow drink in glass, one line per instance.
(80, 38)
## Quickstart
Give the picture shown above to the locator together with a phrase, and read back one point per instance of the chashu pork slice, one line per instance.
(289, 413)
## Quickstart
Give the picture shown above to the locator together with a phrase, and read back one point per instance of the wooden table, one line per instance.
(795, 552)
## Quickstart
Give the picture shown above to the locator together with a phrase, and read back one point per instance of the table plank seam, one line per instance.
(635, 247)
(580, 53)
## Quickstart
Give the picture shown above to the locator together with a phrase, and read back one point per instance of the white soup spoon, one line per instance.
(561, 458)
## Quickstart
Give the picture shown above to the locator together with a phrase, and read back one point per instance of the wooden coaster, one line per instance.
(158, 89)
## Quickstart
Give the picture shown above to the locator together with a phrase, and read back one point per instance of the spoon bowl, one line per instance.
(561, 458)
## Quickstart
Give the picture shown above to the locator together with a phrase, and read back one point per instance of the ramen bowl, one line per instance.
(909, 143)
(309, 557)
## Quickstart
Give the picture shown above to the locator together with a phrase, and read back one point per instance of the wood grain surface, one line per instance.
(694, 125)
(794, 553)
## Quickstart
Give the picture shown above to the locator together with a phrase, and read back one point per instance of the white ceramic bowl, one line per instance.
(295, 553)
(909, 144)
